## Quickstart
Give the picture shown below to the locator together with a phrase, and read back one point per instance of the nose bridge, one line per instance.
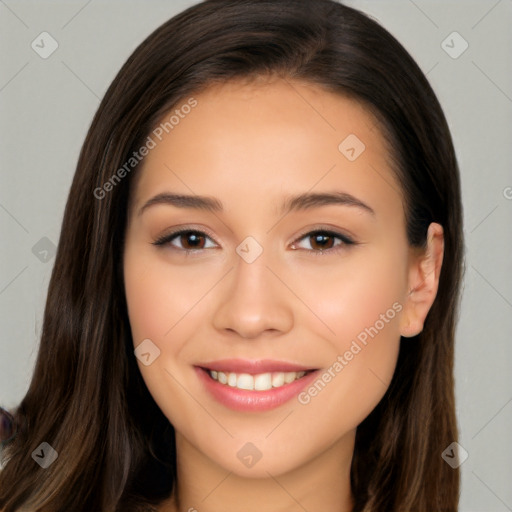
(255, 300)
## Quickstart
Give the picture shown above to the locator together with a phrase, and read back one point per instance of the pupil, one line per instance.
(193, 239)
(322, 241)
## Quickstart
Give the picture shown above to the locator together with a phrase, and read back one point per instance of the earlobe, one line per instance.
(424, 272)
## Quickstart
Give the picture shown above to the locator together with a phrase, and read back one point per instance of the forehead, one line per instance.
(261, 138)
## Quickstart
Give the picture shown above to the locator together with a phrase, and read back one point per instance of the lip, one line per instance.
(251, 400)
(253, 367)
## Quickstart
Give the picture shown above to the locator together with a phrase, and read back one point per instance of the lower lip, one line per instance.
(255, 401)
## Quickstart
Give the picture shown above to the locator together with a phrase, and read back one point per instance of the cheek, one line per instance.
(354, 294)
(361, 305)
(159, 296)
(160, 308)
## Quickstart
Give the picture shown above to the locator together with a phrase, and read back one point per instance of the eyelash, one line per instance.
(345, 240)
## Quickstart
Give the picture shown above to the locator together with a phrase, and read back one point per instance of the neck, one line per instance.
(322, 483)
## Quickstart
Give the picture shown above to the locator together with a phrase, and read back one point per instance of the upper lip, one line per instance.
(253, 367)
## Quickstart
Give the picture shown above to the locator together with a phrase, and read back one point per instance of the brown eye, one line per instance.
(192, 240)
(323, 241)
(186, 240)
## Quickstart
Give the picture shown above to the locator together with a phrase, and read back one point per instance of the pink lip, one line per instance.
(253, 401)
(253, 367)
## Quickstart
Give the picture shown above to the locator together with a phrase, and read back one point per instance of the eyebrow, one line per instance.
(300, 202)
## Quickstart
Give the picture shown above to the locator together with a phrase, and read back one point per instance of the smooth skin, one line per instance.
(303, 300)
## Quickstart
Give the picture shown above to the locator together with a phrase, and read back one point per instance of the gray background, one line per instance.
(47, 104)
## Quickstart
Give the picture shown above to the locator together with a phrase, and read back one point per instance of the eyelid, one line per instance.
(331, 230)
(164, 239)
(347, 240)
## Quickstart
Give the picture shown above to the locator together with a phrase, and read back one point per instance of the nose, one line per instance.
(255, 302)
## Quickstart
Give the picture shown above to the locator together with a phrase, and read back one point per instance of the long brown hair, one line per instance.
(87, 398)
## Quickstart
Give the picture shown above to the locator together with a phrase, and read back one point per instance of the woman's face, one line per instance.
(294, 259)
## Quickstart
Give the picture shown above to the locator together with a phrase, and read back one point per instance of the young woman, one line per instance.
(255, 291)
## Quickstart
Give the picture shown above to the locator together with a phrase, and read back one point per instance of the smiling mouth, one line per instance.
(256, 382)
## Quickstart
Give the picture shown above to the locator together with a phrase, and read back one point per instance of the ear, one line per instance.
(423, 282)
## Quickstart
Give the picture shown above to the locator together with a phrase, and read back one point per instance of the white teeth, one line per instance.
(232, 380)
(263, 381)
(277, 379)
(260, 382)
(289, 377)
(244, 381)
